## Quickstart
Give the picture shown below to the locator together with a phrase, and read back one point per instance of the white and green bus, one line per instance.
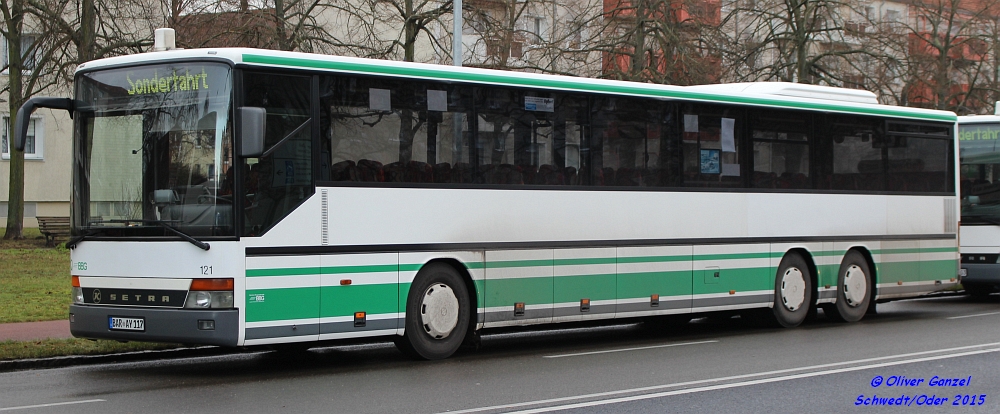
(979, 155)
(245, 197)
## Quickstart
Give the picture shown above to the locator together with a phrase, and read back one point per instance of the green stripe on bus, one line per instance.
(331, 301)
(289, 271)
(612, 260)
(740, 280)
(569, 84)
(333, 270)
(530, 290)
(345, 300)
(282, 304)
(946, 269)
(917, 250)
(654, 259)
(593, 287)
(644, 284)
(519, 263)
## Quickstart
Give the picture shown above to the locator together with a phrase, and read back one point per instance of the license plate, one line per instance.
(116, 323)
(963, 272)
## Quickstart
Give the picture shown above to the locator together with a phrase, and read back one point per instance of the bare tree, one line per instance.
(32, 53)
(946, 60)
(787, 40)
(293, 25)
(661, 41)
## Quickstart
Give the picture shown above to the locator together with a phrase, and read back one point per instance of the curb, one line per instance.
(151, 355)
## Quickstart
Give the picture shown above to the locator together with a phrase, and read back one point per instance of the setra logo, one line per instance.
(97, 296)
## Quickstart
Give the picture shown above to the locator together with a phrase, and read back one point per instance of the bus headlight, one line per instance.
(77, 290)
(200, 299)
(210, 294)
(210, 300)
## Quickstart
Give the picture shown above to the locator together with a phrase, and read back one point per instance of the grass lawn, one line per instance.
(36, 287)
(35, 279)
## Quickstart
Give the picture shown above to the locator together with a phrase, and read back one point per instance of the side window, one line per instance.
(282, 178)
(852, 154)
(780, 149)
(711, 146)
(377, 130)
(634, 143)
(919, 156)
(526, 137)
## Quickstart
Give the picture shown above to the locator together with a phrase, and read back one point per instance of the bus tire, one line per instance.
(792, 291)
(854, 289)
(437, 314)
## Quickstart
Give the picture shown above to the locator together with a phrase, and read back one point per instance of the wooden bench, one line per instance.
(53, 227)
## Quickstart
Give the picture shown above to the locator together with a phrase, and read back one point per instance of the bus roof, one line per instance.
(771, 94)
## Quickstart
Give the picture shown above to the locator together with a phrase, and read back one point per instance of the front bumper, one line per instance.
(162, 325)
(981, 274)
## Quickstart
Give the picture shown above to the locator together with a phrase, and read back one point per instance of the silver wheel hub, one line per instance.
(855, 286)
(793, 289)
(439, 311)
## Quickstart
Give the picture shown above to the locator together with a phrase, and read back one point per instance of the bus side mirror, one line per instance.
(24, 115)
(252, 127)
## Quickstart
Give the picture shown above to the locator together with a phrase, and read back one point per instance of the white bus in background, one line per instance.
(979, 154)
(246, 197)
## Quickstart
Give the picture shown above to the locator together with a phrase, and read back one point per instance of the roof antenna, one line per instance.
(163, 40)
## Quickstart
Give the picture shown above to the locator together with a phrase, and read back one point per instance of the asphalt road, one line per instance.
(709, 365)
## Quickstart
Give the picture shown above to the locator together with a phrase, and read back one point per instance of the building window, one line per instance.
(33, 143)
(28, 54)
(537, 26)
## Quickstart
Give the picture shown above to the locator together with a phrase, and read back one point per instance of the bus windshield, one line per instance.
(980, 158)
(153, 151)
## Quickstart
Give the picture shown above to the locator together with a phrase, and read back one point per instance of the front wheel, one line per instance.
(792, 291)
(437, 314)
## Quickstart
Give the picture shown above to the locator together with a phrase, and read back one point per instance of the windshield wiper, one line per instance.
(201, 245)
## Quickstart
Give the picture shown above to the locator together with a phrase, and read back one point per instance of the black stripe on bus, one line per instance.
(434, 247)
(680, 189)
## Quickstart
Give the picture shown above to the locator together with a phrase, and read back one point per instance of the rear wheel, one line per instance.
(792, 291)
(853, 288)
(437, 314)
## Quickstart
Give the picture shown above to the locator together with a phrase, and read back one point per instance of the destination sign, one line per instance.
(179, 80)
(979, 132)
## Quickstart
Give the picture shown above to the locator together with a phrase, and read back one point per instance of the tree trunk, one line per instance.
(86, 48)
(15, 97)
(409, 32)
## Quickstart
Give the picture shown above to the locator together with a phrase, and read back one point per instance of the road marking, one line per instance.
(973, 316)
(746, 383)
(710, 380)
(25, 407)
(638, 348)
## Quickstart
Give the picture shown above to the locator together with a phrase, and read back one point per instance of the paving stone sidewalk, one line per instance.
(30, 331)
